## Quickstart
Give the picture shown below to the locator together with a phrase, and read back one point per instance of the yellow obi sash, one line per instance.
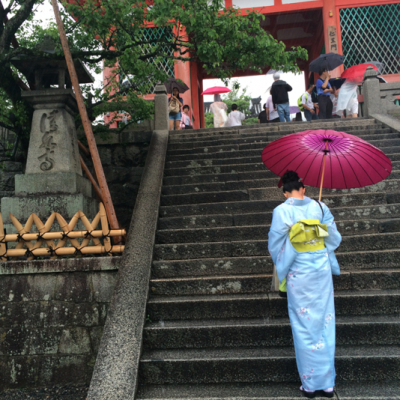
(308, 235)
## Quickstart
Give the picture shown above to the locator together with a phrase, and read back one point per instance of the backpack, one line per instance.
(174, 107)
(314, 95)
(299, 102)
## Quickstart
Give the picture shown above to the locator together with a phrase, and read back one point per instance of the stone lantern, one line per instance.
(53, 178)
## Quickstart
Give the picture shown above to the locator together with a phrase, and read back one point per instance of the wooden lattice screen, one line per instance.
(42, 243)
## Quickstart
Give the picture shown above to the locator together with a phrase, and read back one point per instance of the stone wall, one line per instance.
(52, 314)
(123, 165)
(123, 157)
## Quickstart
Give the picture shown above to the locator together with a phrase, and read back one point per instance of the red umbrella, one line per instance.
(216, 90)
(356, 72)
(329, 159)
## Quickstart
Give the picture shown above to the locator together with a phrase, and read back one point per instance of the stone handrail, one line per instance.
(115, 375)
(379, 98)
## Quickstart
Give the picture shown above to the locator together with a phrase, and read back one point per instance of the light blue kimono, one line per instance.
(309, 290)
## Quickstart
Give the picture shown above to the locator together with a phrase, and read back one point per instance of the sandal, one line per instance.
(309, 395)
(329, 395)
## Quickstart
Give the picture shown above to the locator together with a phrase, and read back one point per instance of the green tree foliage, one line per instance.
(209, 120)
(238, 97)
(115, 32)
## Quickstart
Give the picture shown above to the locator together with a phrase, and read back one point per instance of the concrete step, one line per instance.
(379, 212)
(260, 232)
(231, 154)
(266, 305)
(260, 144)
(253, 157)
(244, 207)
(261, 283)
(268, 183)
(388, 186)
(262, 365)
(195, 169)
(374, 390)
(256, 190)
(227, 266)
(250, 137)
(234, 172)
(291, 127)
(207, 334)
(186, 251)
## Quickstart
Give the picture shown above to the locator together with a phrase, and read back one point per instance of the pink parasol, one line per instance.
(328, 159)
(216, 90)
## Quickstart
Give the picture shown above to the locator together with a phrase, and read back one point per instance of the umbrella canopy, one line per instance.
(172, 83)
(356, 72)
(350, 162)
(336, 82)
(216, 90)
(329, 61)
(378, 64)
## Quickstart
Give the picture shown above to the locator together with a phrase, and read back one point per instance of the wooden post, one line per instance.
(86, 122)
(323, 170)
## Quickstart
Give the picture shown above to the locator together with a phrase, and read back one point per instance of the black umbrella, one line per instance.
(172, 83)
(329, 61)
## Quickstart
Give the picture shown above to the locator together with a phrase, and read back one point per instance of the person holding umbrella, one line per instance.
(219, 108)
(174, 107)
(301, 241)
(324, 91)
(175, 102)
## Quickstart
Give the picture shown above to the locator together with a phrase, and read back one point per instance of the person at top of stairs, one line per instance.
(301, 241)
(235, 117)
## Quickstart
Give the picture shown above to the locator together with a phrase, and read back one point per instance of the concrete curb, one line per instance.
(115, 375)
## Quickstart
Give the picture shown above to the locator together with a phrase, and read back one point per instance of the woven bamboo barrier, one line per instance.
(101, 238)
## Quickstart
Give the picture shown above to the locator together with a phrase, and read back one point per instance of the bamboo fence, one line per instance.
(30, 244)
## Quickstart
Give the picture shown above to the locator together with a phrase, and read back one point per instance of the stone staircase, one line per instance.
(215, 330)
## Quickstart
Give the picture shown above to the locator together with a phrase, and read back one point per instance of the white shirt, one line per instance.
(272, 113)
(306, 99)
(235, 118)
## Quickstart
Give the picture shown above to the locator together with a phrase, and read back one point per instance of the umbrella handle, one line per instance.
(323, 170)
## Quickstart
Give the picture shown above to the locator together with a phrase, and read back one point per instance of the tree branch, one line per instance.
(15, 23)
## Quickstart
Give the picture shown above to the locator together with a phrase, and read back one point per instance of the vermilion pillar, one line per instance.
(331, 32)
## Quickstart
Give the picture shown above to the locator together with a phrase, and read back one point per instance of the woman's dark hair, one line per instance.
(265, 106)
(291, 181)
(298, 117)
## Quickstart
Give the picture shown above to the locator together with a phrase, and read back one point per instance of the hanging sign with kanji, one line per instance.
(333, 42)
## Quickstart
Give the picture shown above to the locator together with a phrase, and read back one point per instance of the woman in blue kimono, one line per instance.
(301, 242)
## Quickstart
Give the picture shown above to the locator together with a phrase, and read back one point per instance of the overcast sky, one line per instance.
(256, 85)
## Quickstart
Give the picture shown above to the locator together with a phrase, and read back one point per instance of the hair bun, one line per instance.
(290, 176)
